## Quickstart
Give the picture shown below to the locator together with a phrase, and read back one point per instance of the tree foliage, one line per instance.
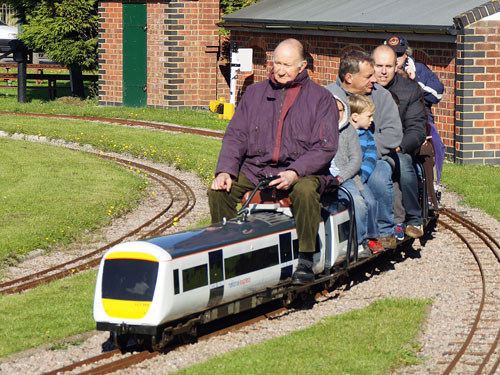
(230, 6)
(65, 30)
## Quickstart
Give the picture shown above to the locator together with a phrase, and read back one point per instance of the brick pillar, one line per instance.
(109, 53)
(192, 42)
(477, 124)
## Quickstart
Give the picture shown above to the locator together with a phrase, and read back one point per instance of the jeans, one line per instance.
(365, 207)
(409, 190)
(360, 208)
(380, 184)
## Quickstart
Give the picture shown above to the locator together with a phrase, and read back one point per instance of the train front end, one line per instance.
(126, 294)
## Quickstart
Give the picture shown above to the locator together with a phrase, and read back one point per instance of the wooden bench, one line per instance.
(51, 80)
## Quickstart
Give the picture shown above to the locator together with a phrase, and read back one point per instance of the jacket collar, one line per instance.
(298, 81)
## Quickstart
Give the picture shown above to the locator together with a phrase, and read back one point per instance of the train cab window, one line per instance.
(252, 261)
(129, 279)
(195, 277)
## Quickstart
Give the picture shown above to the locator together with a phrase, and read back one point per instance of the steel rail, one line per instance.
(147, 124)
(490, 242)
(36, 279)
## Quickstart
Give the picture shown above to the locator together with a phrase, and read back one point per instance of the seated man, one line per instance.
(408, 215)
(432, 88)
(285, 126)
(356, 76)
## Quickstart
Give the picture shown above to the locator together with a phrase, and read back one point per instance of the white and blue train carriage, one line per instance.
(158, 288)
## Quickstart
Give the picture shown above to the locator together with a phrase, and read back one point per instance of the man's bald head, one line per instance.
(288, 61)
(292, 44)
(384, 59)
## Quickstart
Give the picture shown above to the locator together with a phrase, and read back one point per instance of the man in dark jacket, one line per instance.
(414, 120)
(286, 126)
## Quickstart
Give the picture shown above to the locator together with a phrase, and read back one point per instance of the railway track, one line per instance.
(479, 351)
(177, 190)
(113, 361)
(125, 122)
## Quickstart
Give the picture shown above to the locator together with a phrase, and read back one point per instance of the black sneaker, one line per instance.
(304, 273)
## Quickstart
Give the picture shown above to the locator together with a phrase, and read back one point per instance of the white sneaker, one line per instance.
(364, 251)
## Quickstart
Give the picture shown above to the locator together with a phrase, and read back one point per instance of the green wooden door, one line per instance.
(134, 55)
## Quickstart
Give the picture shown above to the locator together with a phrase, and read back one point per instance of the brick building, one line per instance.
(158, 53)
(168, 54)
(457, 39)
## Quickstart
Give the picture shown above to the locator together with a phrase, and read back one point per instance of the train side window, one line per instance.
(176, 281)
(343, 230)
(195, 277)
(216, 266)
(286, 247)
(295, 249)
(249, 262)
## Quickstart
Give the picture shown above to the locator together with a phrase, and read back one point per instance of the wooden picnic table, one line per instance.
(51, 79)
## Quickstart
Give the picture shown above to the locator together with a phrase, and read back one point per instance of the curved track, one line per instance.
(479, 352)
(177, 190)
(134, 123)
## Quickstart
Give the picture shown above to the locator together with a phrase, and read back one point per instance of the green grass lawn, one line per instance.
(47, 313)
(50, 194)
(187, 152)
(374, 340)
(89, 107)
(479, 185)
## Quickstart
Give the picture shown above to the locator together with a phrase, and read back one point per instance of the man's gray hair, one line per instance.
(350, 62)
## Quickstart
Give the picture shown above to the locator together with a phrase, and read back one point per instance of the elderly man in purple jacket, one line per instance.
(285, 126)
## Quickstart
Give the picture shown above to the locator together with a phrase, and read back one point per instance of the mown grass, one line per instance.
(478, 185)
(47, 313)
(90, 107)
(374, 340)
(186, 152)
(49, 194)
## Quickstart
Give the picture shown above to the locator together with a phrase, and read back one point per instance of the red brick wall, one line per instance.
(324, 53)
(478, 106)
(156, 53)
(183, 44)
(110, 55)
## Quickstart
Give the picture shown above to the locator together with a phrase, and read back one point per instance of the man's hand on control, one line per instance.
(285, 180)
(223, 181)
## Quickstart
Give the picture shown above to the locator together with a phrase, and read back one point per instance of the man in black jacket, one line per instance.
(408, 96)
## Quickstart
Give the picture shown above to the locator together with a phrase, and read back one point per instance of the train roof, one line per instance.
(218, 236)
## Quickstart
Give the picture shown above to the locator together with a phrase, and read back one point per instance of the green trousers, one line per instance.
(304, 196)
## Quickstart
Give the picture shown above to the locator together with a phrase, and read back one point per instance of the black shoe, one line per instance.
(303, 274)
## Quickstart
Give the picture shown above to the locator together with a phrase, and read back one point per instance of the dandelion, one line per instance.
(145, 182)
(152, 193)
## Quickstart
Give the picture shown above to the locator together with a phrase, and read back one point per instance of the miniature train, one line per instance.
(157, 289)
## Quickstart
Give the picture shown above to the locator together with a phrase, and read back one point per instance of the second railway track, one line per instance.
(177, 191)
(478, 352)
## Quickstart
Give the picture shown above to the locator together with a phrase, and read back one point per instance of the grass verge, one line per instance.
(374, 340)
(50, 194)
(89, 107)
(479, 185)
(47, 313)
(186, 152)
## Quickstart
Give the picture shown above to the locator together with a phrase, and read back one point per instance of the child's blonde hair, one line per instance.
(360, 104)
